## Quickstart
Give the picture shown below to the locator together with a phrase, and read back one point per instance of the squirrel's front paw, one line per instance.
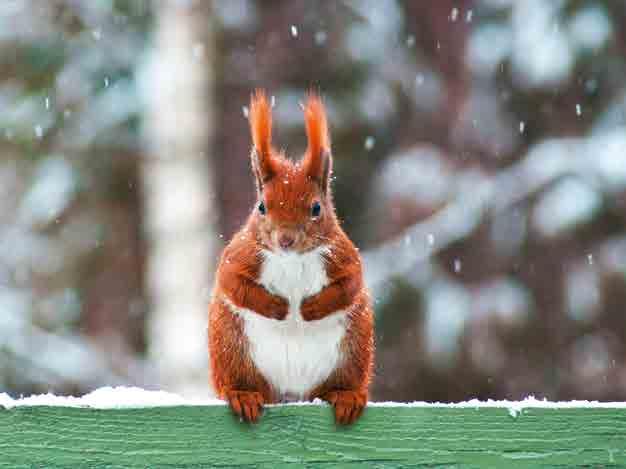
(309, 310)
(349, 405)
(279, 308)
(248, 405)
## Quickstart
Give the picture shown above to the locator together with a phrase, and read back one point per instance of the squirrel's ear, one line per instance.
(261, 129)
(318, 159)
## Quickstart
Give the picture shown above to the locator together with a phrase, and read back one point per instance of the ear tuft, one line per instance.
(317, 160)
(261, 129)
(316, 125)
(261, 122)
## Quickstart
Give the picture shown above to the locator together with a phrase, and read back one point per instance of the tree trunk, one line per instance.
(179, 193)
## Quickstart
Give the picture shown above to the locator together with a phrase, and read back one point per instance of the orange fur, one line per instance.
(317, 161)
(288, 191)
(263, 160)
(316, 126)
(261, 122)
(347, 388)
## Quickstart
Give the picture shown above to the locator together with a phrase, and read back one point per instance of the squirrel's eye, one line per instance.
(262, 208)
(316, 208)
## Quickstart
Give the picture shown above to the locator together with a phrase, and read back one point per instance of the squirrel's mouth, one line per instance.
(286, 240)
(296, 248)
(293, 242)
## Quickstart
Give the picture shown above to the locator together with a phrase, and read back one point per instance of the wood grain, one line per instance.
(304, 436)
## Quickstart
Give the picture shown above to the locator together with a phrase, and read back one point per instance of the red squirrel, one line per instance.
(290, 317)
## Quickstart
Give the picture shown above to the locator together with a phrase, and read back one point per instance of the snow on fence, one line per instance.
(133, 428)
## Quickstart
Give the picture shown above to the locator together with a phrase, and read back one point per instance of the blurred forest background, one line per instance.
(480, 162)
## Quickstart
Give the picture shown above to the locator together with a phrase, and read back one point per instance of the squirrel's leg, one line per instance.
(346, 389)
(234, 375)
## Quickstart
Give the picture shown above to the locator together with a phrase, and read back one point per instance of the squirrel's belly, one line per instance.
(294, 355)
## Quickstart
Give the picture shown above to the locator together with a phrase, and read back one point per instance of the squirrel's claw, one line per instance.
(349, 405)
(248, 405)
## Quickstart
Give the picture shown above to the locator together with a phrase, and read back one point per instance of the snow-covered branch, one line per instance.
(478, 196)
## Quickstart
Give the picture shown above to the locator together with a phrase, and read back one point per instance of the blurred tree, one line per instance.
(178, 192)
(479, 152)
(71, 255)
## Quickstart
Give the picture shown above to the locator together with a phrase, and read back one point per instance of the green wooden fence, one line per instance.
(304, 436)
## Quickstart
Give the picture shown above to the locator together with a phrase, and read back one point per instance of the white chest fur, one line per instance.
(294, 355)
(294, 276)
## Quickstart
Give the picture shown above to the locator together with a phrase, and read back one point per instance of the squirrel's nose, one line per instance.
(285, 241)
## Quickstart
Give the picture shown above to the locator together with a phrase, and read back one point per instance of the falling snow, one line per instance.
(320, 37)
(591, 85)
(198, 51)
(530, 190)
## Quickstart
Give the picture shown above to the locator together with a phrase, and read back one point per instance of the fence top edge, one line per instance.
(132, 397)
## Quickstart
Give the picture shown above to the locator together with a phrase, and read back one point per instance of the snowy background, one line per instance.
(480, 162)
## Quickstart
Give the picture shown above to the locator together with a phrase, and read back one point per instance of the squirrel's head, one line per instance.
(294, 209)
